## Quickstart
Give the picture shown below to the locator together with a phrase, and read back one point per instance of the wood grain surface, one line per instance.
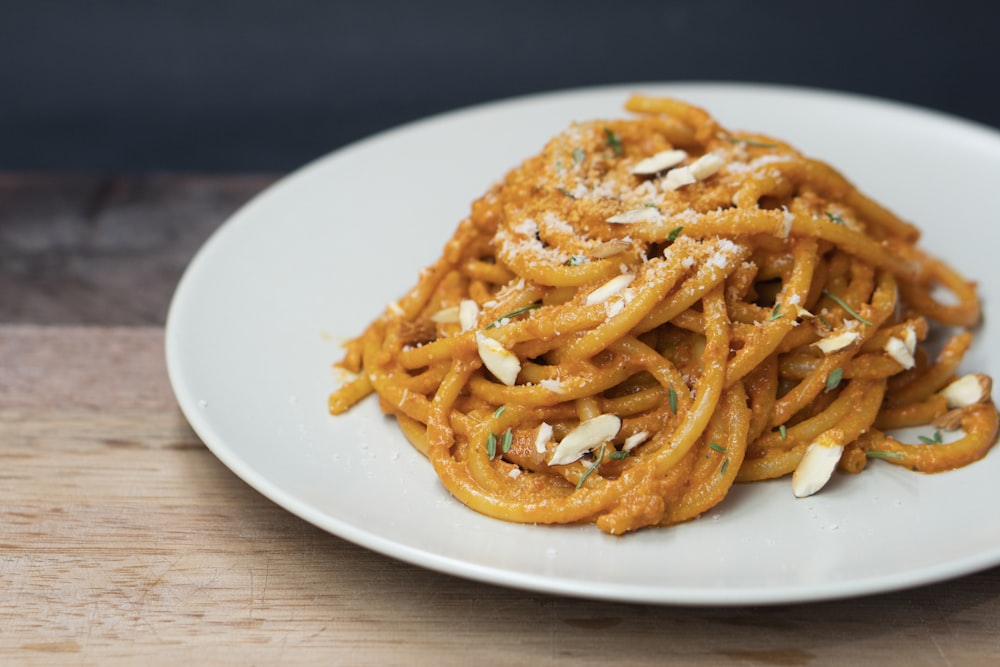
(123, 540)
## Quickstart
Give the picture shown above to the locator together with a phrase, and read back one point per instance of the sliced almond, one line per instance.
(585, 437)
(468, 314)
(659, 162)
(706, 165)
(678, 178)
(610, 248)
(968, 390)
(910, 339)
(899, 351)
(786, 224)
(642, 214)
(610, 289)
(446, 315)
(818, 464)
(543, 437)
(635, 440)
(831, 344)
(503, 363)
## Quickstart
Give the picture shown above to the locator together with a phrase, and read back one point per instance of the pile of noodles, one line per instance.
(654, 308)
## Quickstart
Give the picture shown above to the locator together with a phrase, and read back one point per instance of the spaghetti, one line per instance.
(655, 308)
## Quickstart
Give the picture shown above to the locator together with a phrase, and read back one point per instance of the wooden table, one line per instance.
(124, 540)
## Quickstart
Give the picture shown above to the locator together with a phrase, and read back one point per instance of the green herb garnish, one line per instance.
(717, 447)
(776, 313)
(507, 441)
(672, 399)
(782, 432)
(566, 192)
(513, 313)
(936, 440)
(834, 378)
(617, 456)
(499, 411)
(834, 217)
(592, 468)
(650, 204)
(579, 155)
(825, 322)
(612, 140)
(674, 233)
(850, 311)
(576, 260)
(879, 454)
(491, 446)
(725, 466)
(749, 142)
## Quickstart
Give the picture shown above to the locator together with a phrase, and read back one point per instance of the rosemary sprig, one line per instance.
(843, 304)
(514, 313)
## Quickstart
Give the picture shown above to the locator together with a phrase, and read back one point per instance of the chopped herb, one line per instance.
(672, 399)
(513, 313)
(508, 440)
(579, 155)
(776, 313)
(717, 447)
(850, 311)
(650, 204)
(936, 440)
(499, 411)
(576, 260)
(834, 378)
(725, 466)
(834, 217)
(879, 454)
(613, 141)
(674, 233)
(782, 432)
(592, 468)
(749, 142)
(491, 446)
(617, 456)
(566, 192)
(825, 322)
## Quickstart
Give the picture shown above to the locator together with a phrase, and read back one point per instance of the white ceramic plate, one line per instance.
(257, 319)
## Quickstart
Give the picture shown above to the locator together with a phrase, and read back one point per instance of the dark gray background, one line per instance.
(265, 86)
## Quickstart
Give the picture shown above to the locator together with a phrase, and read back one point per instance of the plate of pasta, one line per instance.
(701, 343)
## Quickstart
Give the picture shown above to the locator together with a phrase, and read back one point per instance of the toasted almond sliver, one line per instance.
(610, 288)
(659, 162)
(678, 178)
(543, 438)
(706, 165)
(468, 314)
(446, 315)
(610, 248)
(585, 437)
(642, 214)
(968, 390)
(831, 344)
(899, 351)
(910, 339)
(818, 463)
(635, 440)
(500, 361)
